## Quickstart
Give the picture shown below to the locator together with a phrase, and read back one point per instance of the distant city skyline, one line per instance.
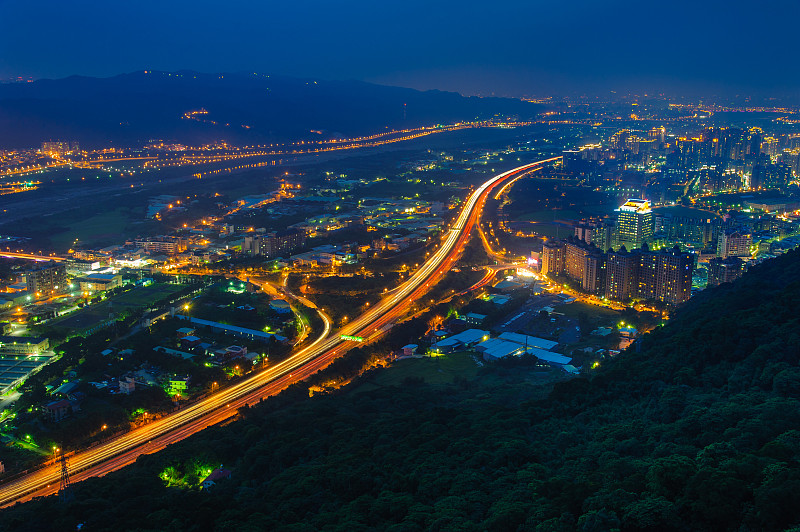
(510, 49)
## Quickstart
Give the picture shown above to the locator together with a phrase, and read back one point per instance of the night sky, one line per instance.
(510, 47)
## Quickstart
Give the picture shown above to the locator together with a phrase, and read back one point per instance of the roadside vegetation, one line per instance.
(696, 430)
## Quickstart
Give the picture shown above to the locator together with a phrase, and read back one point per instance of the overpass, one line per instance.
(126, 448)
(31, 256)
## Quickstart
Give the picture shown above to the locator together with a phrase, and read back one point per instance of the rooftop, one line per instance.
(636, 205)
(549, 356)
(22, 339)
(530, 341)
(497, 348)
(101, 276)
(232, 328)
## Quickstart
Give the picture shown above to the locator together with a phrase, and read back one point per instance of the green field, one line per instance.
(549, 215)
(546, 229)
(93, 315)
(462, 367)
(105, 227)
(435, 370)
(573, 310)
(687, 212)
(140, 297)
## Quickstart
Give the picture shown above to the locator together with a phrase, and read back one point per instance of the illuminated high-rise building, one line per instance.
(664, 275)
(619, 139)
(594, 273)
(791, 158)
(754, 137)
(673, 282)
(634, 223)
(769, 146)
(621, 275)
(575, 259)
(647, 276)
(733, 243)
(553, 252)
(658, 134)
(596, 231)
(59, 147)
(274, 244)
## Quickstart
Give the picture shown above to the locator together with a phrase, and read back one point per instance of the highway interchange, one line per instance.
(126, 448)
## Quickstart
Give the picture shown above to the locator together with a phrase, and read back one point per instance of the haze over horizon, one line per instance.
(518, 48)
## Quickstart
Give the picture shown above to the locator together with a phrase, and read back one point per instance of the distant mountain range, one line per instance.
(193, 107)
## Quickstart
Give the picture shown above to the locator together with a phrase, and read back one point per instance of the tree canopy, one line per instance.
(697, 427)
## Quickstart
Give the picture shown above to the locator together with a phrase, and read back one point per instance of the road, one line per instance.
(126, 448)
(30, 256)
(491, 272)
(282, 291)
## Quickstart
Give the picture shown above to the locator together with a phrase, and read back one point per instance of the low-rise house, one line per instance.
(235, 351)
(251, 357)
(57, 410)
(408, 350)
(66, 388)
(174, 352)
(280, 306)
(473, 318)
(190, 342)
(127, 385)
(177, 386)
(183, 332)
(216, 475)
(498, 299)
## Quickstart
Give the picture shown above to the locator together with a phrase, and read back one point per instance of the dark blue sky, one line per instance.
(509, 47)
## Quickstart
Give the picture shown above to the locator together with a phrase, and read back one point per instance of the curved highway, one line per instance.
(126, 448)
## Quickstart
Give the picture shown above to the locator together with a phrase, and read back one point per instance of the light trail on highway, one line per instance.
(31, 256)
(126, 448)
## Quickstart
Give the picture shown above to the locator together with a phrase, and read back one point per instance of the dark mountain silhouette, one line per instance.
(241, 108)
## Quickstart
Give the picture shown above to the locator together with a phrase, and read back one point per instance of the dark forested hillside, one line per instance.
(698, 429)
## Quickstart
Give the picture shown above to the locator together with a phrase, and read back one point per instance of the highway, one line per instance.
(30, 256)
(282, 292)
(126, 448)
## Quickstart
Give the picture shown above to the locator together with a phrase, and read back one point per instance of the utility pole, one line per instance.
(65, 489)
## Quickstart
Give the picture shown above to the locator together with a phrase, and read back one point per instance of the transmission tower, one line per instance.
(64, 489)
